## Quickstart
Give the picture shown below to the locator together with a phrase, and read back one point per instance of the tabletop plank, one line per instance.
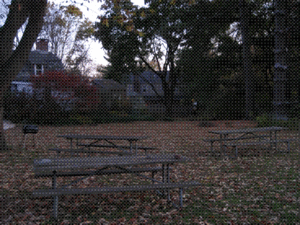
(248, 130)
(58, 164)
(102, 137)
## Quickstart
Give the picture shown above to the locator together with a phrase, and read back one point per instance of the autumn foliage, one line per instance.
(65, 86)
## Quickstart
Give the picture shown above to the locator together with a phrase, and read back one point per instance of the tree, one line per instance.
(68, 33)
(132, 35)
(66, 86)
(11, 62)
(248, 68)
(77, 60)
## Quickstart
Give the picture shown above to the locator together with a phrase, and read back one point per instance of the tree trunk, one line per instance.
(2, 136)
(169, 103)
(11, 62)
(280, 100)
(248, 72)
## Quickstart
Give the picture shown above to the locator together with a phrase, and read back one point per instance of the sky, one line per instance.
(91, 11)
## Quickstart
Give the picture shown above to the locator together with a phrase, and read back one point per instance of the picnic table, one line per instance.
(109, 142)
(259, 136)
(91, 166)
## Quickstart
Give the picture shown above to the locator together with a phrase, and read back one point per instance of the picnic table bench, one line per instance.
(246, 134)
(110, 140)
(90, 166)
(213, 140)
(264, 142)
(82, 150)
(117, 146)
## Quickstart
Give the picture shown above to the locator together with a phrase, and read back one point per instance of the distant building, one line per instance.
(39, 61)
(142, 84)
(21, 86)
(109, 91)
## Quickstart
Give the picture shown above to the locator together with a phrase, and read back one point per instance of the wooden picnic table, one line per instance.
(247, 133)
(90, 166)
(95, 139)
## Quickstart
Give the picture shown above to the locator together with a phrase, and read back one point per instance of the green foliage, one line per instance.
(226, 105)
(80, 120)
(265, 120)
(146, 37)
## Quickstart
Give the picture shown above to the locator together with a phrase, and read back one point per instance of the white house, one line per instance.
(21, 86)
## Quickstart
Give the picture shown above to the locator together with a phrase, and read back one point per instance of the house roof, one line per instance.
(43, 57)
(148, 75)
(108, 84)
(49, 60)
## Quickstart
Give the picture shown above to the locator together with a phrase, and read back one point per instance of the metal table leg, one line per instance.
(168, 181)
(55, 198)
(180, 197)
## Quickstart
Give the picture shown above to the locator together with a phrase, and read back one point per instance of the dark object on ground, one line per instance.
(206, 124)
(29, 129)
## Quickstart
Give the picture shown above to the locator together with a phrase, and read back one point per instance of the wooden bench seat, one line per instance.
(212, 140)
(82, 150)
(101, 190)
(100, 172)
(236, 144)
(117, 146)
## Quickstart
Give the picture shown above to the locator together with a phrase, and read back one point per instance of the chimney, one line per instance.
(42, 44)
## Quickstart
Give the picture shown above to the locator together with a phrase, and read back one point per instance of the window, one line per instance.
(38, 69)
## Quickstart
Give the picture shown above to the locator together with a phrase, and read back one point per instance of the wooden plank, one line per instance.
(233, 139)
(248, 130)
(91, 162)
(117, 146)
(102, 137)
(78, 191)
(259, 143)
(101, 172)
(82, 150)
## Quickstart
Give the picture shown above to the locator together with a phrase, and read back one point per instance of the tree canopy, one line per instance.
(68, 33)
(153, 37)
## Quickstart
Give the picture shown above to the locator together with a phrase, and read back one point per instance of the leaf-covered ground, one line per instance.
(260, 186)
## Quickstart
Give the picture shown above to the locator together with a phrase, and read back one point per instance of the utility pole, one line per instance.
(280, 92)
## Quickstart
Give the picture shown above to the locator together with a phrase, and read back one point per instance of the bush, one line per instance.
(229, 105)
(80, 120)
(267, 121)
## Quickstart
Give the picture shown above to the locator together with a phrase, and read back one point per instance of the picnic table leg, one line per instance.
(71, 143)
(135, 148)
(24, 141)
(55, 198)
(180, 197)
(163, 177)
(168, 181)
(130, 144)
(222, 143)
(236, 151)
(275, 136)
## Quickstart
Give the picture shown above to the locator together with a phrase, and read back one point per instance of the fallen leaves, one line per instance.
(251, 189)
